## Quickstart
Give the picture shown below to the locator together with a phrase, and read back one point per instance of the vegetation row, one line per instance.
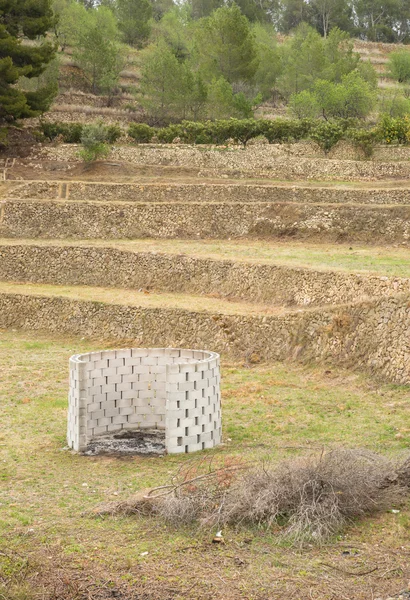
(326, 133)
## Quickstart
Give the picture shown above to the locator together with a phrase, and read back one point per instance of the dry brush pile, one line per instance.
(306, 499)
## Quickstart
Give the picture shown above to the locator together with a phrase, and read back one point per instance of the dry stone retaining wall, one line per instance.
(265, 161)
(64, 219)
(204, 192)
(176, 390)
(374, 335)
(261, 283)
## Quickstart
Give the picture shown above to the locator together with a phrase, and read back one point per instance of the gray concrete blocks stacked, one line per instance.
(176, 390)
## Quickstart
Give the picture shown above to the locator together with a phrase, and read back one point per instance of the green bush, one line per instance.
(71, 133)
(94, 140)
(166, 135)
(141, 132)
(281, 131)
(399, 65)
(327, 134)
(396, 105)
(393, 131)
(240, 130)
(364, 139)
(112, 133)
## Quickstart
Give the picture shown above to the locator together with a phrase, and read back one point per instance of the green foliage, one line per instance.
(393, 130)
(71, 133)
(174, 30)
(269, 60)
(353, 98)
(239, 130)
(71, 18)
(97, 51)
(169, 88)
(307, 58)
(364, 139)
(225, 45)
(203, 8)
(281, 131)
(368, 73)
(112, 133)
(399, 65)
(141, 132)
(326, 14)
(222, 102)
(222, 66)
(395, 105)
(19, 20)
(94, 140)
(134, 20)
(304, 105)
(382, 20)
(373, 20)
(327, 135)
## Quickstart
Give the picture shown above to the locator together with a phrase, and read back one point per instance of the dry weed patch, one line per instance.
(306, 499)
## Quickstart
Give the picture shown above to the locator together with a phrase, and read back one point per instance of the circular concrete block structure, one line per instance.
(144, 400)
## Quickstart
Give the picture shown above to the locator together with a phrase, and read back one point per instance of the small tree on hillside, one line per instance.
(225, 45)
(353, 98)
(269, 63)
(19, 21)
(97, 51)
(169, 88)
(399, 65)
(133, 20)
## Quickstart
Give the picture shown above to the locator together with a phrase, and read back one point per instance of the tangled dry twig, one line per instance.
(305, 499)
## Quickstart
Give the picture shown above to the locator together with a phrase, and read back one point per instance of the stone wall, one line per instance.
(65, 219)
(267, 161)
(372, 335)
(176, 390)
(204, 192)
(259, 283)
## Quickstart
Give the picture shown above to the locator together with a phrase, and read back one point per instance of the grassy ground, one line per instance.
(382, 260)
(143, 299)
(50, 549)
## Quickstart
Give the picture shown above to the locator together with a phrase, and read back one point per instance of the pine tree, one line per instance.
(134, 16)
(20, 21)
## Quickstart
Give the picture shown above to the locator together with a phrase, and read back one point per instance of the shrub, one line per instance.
(395, 106)
(94, 140)
(141, 132)
(71, 133)
(240, 130)
(113, 133)
(399, 65)
(394, 130)
(353, 98)
(327, 134)
(167, 134)
(280, 131)
(304, 105)
(364, 139)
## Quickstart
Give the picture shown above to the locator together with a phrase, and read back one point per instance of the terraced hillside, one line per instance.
(264, 254)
